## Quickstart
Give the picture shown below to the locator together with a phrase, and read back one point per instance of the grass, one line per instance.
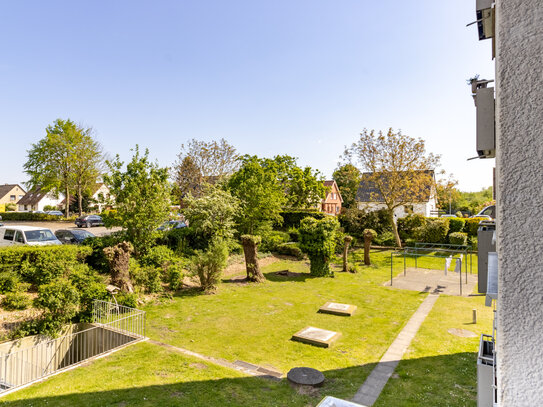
(439, 368)
(254, 323)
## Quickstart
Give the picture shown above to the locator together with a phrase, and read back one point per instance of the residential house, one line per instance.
(331, 204)
(37, 200)
(10, 194)
(101, 197)
(369, 198)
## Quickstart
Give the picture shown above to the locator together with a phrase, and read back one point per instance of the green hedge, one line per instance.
(290, 249)
(471, 226)
(293, 218)
(354, 221)
(408, 224)
(459, 238)
(434, 231)
(29, 216)
(42, 264)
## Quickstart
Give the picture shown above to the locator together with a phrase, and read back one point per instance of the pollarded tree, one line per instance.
(347, 177)
(317, 240)
(398, 168)
(142, 198)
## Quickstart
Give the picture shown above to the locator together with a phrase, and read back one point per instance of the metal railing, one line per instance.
(113, 326)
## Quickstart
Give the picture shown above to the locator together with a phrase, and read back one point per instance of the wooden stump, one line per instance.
(250, 249)
(347, 241)
(118, 258)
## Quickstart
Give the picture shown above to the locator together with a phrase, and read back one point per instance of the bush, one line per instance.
(294, 234)
(434, 231)
(42, 264)
(317, 240)
(16, 301)
(157, 256)
(97, 258)
(29, 216)
(408, 224)
(459, 238)
(472, 225)
(209, 264)
(385, 239)
(8, 282)
(59, 299)
(175, 276)
(354, 221)
(127, 299)
(456, 225)
(271, 240)
(90, 286)
(290, 249)
(146, 277)
(292, 218)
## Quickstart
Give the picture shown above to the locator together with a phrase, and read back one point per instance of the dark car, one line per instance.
(172, 224)
(89, 221)
(75, 236)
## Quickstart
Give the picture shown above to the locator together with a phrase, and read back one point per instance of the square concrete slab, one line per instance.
(316, 336)
(338, 309)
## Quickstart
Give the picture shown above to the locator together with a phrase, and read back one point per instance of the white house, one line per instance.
(369, 198)
(37, 200)
(101, 196)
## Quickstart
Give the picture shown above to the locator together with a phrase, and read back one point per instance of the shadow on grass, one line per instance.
(189, 292)
(286, 275)
(437, 381)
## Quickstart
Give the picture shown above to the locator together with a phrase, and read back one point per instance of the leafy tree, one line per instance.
(473, 202)
(447, 194)
(212, 215)
(317, 240)
(67, 159)
(261, 196)
(201, 162)
(398, 167)
(303, 187)
(347, 177)
(142, 198)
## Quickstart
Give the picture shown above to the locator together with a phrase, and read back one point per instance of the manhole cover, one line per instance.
(305, 376)
(463, 333)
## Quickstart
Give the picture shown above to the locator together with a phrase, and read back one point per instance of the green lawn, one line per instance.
(254, 323)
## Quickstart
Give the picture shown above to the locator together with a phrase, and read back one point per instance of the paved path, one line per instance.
(368, 393)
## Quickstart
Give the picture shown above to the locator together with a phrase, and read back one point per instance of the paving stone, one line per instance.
(338, 309)
(316, 336)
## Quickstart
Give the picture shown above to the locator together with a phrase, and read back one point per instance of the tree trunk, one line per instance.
(80, 200)
(347, 242)
(368, 237)
(118, 258)
(67, 203)
(250, 244)
(394, 228)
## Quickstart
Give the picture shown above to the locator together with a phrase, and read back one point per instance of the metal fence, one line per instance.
(113, 326)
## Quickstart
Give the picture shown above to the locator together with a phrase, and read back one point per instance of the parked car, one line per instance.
(89, 221)
(38, 212)
(172, 224)
(73, 236)
(29, 235)
(488, 212)
(54, 213)
(448, 215)
(1, 224)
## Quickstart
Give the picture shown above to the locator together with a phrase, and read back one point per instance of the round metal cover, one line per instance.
(305, 376)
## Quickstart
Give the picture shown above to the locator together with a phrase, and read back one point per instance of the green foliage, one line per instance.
(175, 276)
(60, 301)
(127, 299)
(408, 224)
(347, 178)
(142, 198)
(472, 225)
(459, 238)
(97, 258)
(212, 214)
(456, 225)
(292, 218)
(434, 231)
(294, 234)
(317, 240)
(29, 216)
(158, 256)
(260, 194)
(8, 282)
(473, 202)
(147, 277)
(208, 264)
(272, 239)
(42, 264)
(340, 241)
(16, 301)
(90, 286)
(354, 221)
(385, 239)
(290, 249)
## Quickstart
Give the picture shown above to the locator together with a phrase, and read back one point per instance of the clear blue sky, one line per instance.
(272, 77)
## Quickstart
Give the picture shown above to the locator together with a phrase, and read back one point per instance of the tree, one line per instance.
(142, 198)
(250, 249)
(67, 159)
(347, 177)
(201, 162)
(261, 196)
(398, 168)
(212, 215)
(447, 193)
(317, 239)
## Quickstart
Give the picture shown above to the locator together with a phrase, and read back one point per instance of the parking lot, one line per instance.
(96, 230)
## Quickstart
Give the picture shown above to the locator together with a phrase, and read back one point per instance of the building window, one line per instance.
(337, 209)
(12, 197)
(20, 197)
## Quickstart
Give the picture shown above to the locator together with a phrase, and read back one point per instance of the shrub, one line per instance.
(97, 258)
(456, 225)
(292, 218)
(146, 277)
(317, 240)
(29, 216)
(385, 239)
(271, 240)
(354, 221)
(127, 299)
(290, 249)
(42, 264)
(294, 234)
(16, 301)
(459, 238)
(157, 256)
(181, 241)
(209, 264)
(472, 225)
(408, 224)
(175, 276)
(60, 301)
(434, 231)
(90, 286)
(8, 282)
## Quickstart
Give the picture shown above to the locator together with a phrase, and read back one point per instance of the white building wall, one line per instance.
(519, 220)
(399, 212)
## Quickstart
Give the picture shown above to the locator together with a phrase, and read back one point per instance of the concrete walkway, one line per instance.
(368, 393)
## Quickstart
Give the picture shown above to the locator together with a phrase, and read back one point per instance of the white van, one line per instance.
(30, 235)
